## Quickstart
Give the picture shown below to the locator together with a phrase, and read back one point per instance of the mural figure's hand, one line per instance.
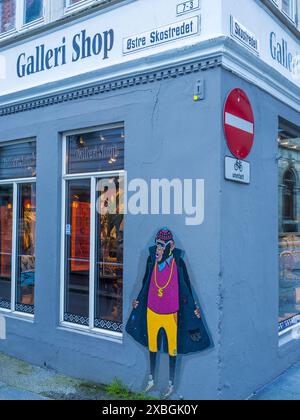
(135, 304)
(198, 313)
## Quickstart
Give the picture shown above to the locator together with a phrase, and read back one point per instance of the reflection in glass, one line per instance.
(7, 15)
(96, 151)
(18, 160)
(289, 225)
(77, 252)
(6, 217)
(33, 10)
(26, 248)
(109, 257)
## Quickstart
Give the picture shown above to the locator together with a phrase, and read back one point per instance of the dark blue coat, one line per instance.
(192, 333)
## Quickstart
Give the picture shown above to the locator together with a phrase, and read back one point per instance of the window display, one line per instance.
(109, 262)
(26, 248)
(78, 252)
(17, 214)
(289, 225)
(93, 240)
(6, 216)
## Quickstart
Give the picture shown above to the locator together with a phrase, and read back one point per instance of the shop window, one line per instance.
(33, 10)
(17, 226)
(93, 234)
(289, 225)
(289, 196)
(7, 15)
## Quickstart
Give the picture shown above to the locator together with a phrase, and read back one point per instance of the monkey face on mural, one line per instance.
(166, 302)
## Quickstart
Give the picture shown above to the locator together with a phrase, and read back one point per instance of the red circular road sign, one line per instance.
(239, 124)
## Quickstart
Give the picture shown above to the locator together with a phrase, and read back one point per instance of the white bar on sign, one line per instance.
(239, 123)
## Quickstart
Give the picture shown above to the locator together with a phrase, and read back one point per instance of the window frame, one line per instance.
(82, 4)
(15, 182)
(20, 24)
(294, 6)
(93, 176)
(36, 22)
(289, 329)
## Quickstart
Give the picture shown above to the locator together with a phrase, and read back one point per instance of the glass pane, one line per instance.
(7, 15)
(26, 248)
(6, 216)
(18, 160)
(288, 7)
(33, 10)
(289, 225)
(77, 252)
(71, 2)
(95, 152)
(109, 255)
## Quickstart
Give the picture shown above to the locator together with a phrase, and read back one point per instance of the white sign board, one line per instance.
(100, 41)
(244, 36)
(237, 170)
(276, 45)
(173, 32)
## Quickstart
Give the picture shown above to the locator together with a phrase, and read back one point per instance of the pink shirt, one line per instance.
(169, 302)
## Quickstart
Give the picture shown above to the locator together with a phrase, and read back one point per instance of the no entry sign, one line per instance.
(239, 124)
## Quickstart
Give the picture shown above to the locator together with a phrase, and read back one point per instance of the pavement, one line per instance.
(21, 381)
(284, 388)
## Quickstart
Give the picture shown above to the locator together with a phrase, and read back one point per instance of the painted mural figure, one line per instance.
(166, 303)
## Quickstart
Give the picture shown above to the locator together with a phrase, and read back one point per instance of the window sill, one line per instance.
(8, 34)
(95, 333)
(33, 24)
(17, 315)
(24, 28)
(289, 335)
(292, 20)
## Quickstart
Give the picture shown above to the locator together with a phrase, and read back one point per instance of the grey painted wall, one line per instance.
(167, 135)
(232, 258)
(249, 351)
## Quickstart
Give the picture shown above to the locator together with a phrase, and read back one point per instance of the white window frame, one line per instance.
(36, 22)
(15, 182)
(20, 25)
(93, 176)
(294, 4)
(70, 8)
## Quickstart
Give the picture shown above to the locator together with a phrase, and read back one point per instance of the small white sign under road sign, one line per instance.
(237, 170)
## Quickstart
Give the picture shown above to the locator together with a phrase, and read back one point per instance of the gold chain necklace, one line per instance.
(161, 289)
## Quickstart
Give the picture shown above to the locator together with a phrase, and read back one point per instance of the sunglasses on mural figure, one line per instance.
(162, 245)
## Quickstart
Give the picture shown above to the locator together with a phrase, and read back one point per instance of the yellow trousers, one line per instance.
(155, 323)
